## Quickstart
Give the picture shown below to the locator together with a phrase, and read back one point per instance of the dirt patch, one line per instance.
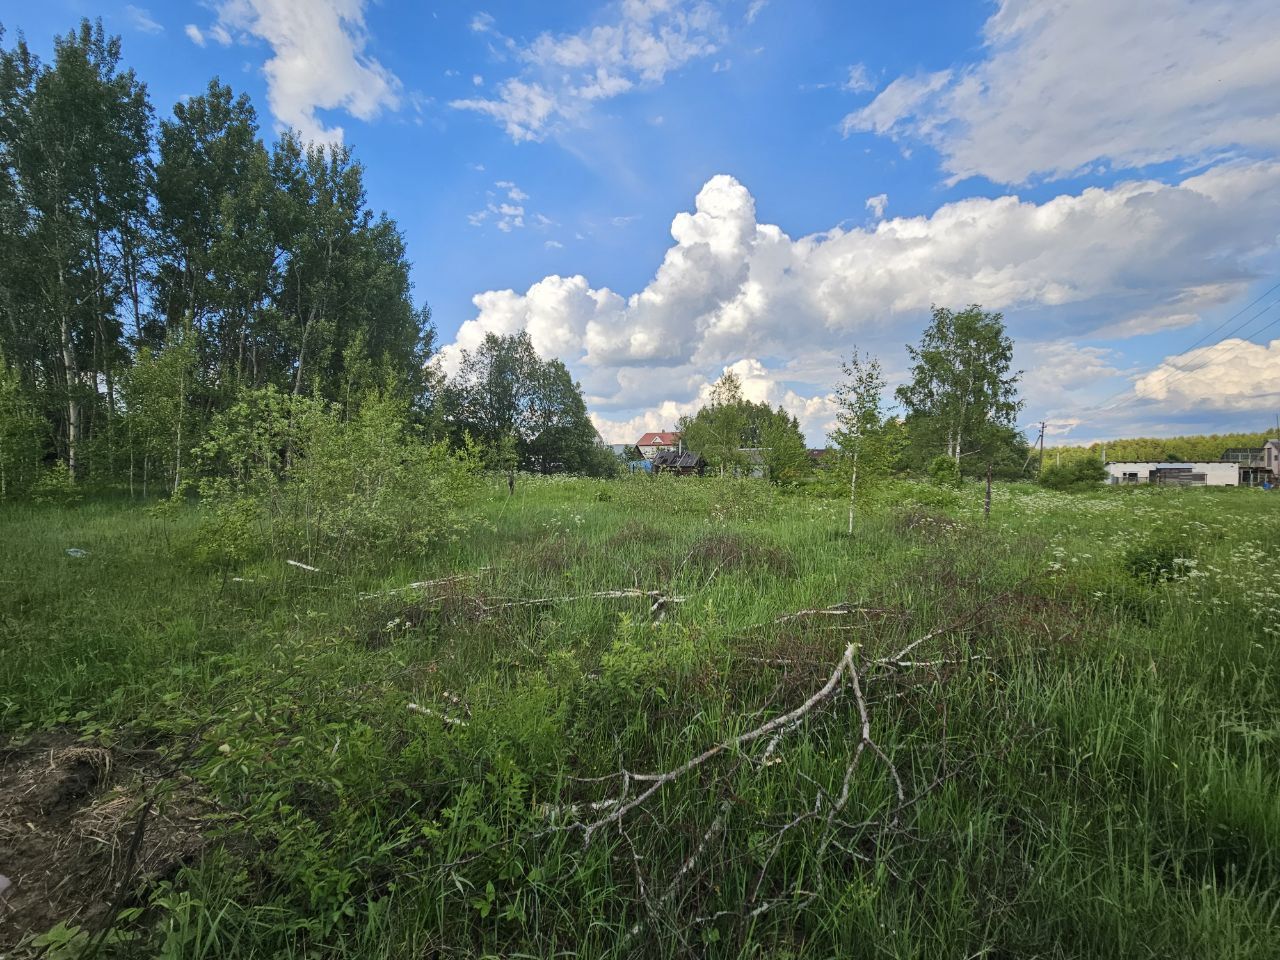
(68, 818)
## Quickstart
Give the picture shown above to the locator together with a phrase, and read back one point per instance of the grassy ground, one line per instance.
(1088, 748)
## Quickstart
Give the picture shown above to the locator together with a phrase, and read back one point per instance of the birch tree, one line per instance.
(868, 442)
(963, 393)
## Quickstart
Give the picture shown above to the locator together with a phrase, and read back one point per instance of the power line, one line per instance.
(1176, 374)
(1186, 371)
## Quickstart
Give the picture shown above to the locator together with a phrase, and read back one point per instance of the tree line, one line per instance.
(1209, 446)
(151, 272)
(957, 415)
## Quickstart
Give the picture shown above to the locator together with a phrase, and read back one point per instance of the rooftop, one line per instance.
(667, 438)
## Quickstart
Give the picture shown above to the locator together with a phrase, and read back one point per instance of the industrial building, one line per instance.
(1204, 473)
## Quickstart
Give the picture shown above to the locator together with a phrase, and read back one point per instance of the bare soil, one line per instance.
(69, 815)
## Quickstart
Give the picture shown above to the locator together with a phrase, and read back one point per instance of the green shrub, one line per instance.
(944, 471)
(1159, 560)
(55, 485)
(291, 474)
(1075, 477)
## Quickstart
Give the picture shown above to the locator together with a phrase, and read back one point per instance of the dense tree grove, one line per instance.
(736, 435)
(525, 412)
(153, 273)
(1208, 446)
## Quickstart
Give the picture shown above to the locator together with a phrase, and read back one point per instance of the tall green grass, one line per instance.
(1098, 777)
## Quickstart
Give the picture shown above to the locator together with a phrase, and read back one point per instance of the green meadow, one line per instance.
(652, 717)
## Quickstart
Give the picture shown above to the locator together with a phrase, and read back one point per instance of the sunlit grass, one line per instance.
(1102, 782)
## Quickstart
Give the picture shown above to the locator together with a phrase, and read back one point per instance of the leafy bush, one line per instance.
(292, 474)
(944, 471)
(1075, 477)
(55, 485)
(1159, 560)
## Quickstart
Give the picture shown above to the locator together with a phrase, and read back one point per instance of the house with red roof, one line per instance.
(653, 443)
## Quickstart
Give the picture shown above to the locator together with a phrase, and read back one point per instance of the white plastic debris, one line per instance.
(303, 566)
(5, 884)
(76, 552)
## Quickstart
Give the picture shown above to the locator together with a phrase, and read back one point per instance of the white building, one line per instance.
(1205, 473)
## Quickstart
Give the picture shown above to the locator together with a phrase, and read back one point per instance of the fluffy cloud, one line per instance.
(1233, 374)
(563, 74)
(731, 290)
(1066, 85)
(318, 63)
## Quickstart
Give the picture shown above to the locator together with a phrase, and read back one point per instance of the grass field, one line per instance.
(1080, 758)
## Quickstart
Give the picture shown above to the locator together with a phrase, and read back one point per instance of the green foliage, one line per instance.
(292, 475)
(522, 410)
(1161, 449)
(22, 436)
(55, 485)
(786, 456)
(159, 420)
(869, 443)
(962, 398)
(144, 280)
(944, 471)
(1077, 475)
(1159, 559)
(728, 430)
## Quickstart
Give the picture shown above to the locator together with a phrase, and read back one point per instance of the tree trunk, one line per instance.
(302, 351)
(853, 491)
(73, 404)
(177, 445)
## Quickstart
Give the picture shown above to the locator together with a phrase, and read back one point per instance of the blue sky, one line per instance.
(659, 190)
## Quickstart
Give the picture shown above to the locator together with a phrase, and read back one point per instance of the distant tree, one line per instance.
(520, 407)
(1076, 475)
(962, 398)
(160, 423)
(1183, 448)
(868, 442)
(729, 425)
(944, 471)
(81, 165)
(717, 430)
(786, 456)
(217, 256)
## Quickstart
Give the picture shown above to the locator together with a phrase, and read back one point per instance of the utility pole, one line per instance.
(1039, 442)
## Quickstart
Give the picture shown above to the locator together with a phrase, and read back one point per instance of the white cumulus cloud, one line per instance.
(731, 289)
(1232, 374)
(1066, 85)
(318, 60)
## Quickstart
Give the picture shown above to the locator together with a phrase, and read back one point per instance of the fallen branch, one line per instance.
(425, 584)
(658, 600)
(303, 566)
(429, 712)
